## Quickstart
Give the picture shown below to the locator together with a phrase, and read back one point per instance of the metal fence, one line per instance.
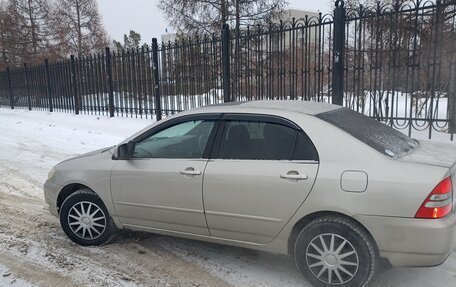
(394, 62)
(400, 64)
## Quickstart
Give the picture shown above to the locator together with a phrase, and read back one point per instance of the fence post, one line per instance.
(48, 84)
(27, 87)
(74, 85)
(452, 99)
(226, 62)
(10, 87)
(110, 83)
(338, 54)
(158, 111)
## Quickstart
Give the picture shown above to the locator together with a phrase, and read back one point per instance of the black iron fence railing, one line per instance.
(393, 62)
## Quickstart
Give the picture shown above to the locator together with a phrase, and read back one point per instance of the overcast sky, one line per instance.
(144, 17)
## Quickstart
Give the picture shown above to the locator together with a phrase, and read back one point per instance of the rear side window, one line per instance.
(375, 134)
(304, 148)
(260, 140)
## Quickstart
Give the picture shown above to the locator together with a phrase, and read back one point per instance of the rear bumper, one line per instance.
(412, 242)
(51, 191)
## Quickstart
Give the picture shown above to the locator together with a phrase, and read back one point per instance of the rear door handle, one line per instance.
(294, 176)
(190, 171)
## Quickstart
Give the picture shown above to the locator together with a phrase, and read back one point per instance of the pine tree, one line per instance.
(130, 41)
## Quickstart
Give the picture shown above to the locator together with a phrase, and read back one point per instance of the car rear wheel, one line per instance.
(333, 251)
(85, 219)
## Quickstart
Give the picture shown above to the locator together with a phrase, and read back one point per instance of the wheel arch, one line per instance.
(69, 189)
(300, 224)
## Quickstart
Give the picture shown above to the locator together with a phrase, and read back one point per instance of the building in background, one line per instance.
(168, 37)
(289, 14)
(305, 35)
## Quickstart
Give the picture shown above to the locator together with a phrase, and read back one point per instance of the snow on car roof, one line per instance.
(306, 107)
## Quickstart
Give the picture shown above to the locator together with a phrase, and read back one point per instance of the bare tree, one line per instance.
(6, 25)
(208, 15)
(78, 26)
(29, 24)
(12, 46)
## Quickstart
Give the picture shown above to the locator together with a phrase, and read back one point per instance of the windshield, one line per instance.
(375, 134)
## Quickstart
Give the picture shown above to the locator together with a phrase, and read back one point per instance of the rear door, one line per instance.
(261, 171)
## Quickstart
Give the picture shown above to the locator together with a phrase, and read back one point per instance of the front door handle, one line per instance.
(294, 176)
(190, 171)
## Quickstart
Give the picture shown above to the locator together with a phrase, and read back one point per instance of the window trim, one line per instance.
(213, 144)
(260, 117)
(182, 119)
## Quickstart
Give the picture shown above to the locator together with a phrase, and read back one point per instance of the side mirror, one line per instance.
(125, 151)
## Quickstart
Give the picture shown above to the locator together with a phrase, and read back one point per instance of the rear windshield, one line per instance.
(375, 134)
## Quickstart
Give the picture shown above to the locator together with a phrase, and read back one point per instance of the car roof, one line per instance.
(305, 107)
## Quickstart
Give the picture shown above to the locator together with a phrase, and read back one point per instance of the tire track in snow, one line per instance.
(30, 236)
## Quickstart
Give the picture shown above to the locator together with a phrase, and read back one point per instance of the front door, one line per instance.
(161, 186)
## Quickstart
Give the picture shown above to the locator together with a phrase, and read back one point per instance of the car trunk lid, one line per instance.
(433, 153)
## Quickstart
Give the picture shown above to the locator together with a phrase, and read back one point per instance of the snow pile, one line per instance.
(34, 141)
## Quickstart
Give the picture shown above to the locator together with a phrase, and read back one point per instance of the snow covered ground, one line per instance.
(35, 252)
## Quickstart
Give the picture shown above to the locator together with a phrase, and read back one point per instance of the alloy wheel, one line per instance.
(87, 220)
(332, 259)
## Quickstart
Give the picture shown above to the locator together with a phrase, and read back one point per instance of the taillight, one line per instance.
(439, 203)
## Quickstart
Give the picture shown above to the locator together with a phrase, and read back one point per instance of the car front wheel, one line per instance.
(85, 219)
(334, 251)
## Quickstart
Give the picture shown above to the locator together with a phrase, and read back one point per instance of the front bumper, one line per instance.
(412, 242)
(51, 191)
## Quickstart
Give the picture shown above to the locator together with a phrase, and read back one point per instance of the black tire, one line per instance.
(342, 232)
(101, 230)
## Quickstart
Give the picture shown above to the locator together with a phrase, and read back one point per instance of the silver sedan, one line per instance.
(338, 191)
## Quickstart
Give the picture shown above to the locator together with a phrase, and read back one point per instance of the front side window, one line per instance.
(260, 140)
(183, 140)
